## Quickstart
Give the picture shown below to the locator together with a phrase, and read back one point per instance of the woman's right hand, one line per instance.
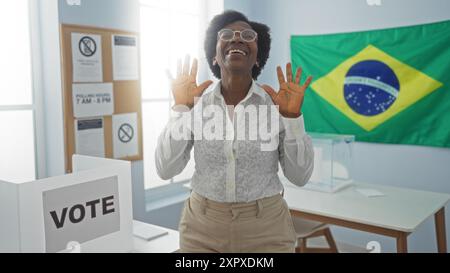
(184, 86)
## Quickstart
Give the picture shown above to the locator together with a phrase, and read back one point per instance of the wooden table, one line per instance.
(396, 214)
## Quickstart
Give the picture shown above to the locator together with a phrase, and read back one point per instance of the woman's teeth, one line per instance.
(237, 51)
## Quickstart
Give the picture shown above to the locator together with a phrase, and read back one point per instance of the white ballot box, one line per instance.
(333, 162)
(89, 210)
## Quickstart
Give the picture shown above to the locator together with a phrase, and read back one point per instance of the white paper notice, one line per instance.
(89, 138)
(148, 233)
(125, 58)
(91, 100)
(125, 135)
(369, 192)
(87, 57)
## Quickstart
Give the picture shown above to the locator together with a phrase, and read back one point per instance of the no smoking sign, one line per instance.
(87, 46)
(126, 133)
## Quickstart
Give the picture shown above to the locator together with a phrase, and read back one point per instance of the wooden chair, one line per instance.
(307, 229)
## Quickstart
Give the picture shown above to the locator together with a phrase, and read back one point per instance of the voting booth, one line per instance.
(90, 208)
(333, 162)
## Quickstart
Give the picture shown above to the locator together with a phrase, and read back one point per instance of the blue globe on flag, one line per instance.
(370, 87)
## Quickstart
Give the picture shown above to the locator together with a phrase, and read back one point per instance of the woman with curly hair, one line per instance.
(236, 202)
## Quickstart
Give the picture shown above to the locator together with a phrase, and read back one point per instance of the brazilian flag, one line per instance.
(386, 86)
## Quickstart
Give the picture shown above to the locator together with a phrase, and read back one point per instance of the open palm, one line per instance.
(290, 96)
(184, 86)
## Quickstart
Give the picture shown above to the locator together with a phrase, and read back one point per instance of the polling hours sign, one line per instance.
(92, 100)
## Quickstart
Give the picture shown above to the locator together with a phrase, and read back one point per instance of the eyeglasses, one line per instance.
(247, 35)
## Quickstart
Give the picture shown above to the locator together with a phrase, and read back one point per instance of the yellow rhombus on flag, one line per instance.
(414, 85)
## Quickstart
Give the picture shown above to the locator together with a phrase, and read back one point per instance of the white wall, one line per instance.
(399, 165)
(114, 14)
(50, 86)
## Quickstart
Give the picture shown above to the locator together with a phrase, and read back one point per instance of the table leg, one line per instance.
(439, 221)
(402, 243)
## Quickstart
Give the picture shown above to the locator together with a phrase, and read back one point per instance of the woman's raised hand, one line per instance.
(290, 96)
(184, 86)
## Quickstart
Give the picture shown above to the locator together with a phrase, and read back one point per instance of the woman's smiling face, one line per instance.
(236, 55)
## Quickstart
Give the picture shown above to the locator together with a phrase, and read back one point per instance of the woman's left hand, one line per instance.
(290, 96)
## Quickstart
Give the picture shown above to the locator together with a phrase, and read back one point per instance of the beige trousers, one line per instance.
(264, 225)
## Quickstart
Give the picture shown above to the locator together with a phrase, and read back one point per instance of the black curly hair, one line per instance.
(226, 18)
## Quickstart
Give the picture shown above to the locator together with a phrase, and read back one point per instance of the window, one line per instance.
(17, 108)
(170, 29)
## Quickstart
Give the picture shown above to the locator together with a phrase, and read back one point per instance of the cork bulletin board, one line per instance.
(126, 93)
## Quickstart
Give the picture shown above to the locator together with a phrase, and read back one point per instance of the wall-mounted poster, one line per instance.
(125, 135)
(125, 58)
(92, 100)
(89, 137)
(87, 57)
